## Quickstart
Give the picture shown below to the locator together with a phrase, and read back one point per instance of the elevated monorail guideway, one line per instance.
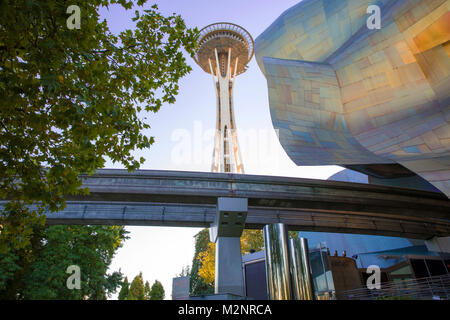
(189, 199)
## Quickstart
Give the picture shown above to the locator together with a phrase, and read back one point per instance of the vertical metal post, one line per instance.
(308, 281)
(277, 262)
(302, 285)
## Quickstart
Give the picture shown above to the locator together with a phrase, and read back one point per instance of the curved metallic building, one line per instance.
(376, 101)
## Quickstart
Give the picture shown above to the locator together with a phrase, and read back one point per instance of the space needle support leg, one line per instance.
(215, 162)
(222, 114)
(228, 63)
(212, 73)
(235, 68)
(217, 63)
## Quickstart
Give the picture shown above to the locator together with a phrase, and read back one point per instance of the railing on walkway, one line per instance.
(437, 287)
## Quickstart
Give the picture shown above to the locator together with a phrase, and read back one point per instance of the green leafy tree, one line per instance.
(123, 293)
(197, 284)
(157, 291)
(147, 290)
(70, 99)
(16, 255)
(251, 240)
(91, 248)
(137, 290)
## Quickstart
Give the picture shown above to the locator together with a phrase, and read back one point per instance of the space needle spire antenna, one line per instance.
(225, 49)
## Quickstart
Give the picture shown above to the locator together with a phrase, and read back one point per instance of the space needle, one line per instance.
(225, 49)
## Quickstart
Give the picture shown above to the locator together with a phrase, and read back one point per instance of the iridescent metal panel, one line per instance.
(341, 93)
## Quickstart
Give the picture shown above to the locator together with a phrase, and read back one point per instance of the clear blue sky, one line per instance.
(183, 131)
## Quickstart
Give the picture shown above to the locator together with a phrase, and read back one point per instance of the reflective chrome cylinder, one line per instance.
(277, 262)
(300, 268)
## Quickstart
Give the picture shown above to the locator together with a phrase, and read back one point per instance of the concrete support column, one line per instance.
(226, 232)
(277, 262)
(229, 273)
(301, 278)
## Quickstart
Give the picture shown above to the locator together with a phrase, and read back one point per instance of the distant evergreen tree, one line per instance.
(197, 285)
(157, 291)
(185, 272)
(137, 290)
(123, 294)
(147, 290)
